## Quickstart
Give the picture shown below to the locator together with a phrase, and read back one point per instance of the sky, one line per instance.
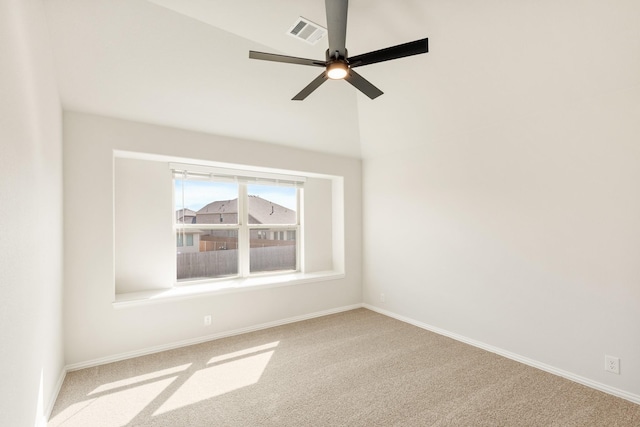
(200, 193)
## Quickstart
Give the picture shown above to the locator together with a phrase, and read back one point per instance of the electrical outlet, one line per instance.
(383, 298)
(207, 320)
(612, 364)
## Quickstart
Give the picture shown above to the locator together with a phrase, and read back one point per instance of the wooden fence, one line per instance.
(193, 265)
(273, 258)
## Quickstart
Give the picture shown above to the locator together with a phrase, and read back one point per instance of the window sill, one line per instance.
(133, 299)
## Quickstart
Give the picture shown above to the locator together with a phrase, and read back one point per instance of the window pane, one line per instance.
(272, 250)
(180, 239)
(212, 253)
(270, 204)
(205, 202)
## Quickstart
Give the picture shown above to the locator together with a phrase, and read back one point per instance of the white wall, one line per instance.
(31, 355)
(318, 226)
(144, 248)
(524, 236)
(93, 328)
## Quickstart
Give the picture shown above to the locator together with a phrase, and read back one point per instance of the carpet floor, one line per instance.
(356, 368)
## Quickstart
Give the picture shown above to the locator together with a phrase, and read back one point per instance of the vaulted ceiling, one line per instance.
(184, 63)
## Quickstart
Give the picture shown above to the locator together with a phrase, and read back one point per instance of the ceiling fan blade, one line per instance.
(363, 85)
(394, 52)
(282, 58)
(337, 25)
(315, 84)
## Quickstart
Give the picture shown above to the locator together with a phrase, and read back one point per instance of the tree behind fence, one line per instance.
(193, 265)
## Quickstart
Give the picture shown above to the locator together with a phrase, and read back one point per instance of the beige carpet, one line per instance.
(357, 368)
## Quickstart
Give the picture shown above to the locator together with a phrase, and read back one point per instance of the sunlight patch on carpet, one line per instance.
(230, 372)
(111, 409)
(139, 378)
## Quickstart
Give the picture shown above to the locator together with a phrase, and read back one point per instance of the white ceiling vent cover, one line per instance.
(306, 30)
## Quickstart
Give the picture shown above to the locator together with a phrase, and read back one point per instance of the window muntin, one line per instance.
(252, 227)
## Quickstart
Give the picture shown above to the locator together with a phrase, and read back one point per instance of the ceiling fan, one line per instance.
(337, 64)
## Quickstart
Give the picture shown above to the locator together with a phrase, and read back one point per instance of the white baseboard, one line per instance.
(509, 355)
(44, 418)
(185, 343)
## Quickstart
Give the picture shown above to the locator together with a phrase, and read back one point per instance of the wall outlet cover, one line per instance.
(612, 364)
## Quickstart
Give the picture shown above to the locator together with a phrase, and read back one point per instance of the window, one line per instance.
(151, 220)
(232, 223)
(180, 240)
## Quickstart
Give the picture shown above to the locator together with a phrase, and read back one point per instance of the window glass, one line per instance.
(213, 254)
(204, 253)
(272, 250)
(236, 228)
(205, 202)
(182, 237)
(270, 204)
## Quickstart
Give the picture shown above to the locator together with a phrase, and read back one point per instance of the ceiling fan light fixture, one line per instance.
(337, 70)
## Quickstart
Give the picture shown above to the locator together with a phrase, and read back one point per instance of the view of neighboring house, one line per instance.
(261, 211)
(185, 216)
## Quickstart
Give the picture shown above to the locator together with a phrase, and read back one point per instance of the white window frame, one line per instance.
(243, 179)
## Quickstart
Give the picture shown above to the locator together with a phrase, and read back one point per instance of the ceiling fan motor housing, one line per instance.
(337, 66)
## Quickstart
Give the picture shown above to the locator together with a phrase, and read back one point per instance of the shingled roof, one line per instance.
(220, 206)
(185, 215)
(261, 211)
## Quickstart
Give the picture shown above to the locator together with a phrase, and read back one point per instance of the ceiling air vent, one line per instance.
(306, 30)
